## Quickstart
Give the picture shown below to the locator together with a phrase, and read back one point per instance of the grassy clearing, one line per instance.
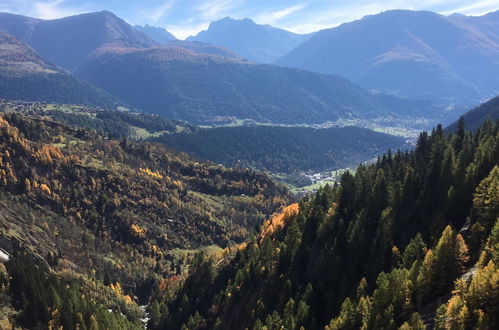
(140, 133)
(182, 253)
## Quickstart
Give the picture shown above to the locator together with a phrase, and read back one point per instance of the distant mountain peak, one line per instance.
(456, 15)
(68, 41)
(158, 34)
(256, 42)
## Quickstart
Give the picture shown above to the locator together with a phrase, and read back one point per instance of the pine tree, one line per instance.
(445, 267)
(461, 131)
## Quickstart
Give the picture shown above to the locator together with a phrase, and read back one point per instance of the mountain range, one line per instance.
(207, 84)
(255, 42)
(205, 89)
(419, 54)
(160, 80)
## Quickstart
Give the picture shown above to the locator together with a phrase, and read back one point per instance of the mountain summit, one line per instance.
(158, 34)
(68, 41)
(259, 43)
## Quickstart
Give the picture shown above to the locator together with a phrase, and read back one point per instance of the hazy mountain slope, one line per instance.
(160, 35)
(26, 76)
(283, 149)
(203, 48)
(180, 84)
(409, 53)
(260, 43)
(474, 118)
(68, 41)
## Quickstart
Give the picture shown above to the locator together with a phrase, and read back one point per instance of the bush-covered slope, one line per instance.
(180, 84)
(283, 149)
(115, 185)
(26, 76)
(124, 196)
(408, 241)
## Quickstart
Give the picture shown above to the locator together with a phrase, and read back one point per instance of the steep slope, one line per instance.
(259, 43)
(405, 243)
(180, 84)
(68, 41)
(160, 35)
(474, 118)
(26, 76)
(283, 149)
(409, 53)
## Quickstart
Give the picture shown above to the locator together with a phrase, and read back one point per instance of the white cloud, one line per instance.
(212, 10)
(334, 16)
(153, 15)
(477, 8)
(53, 9)
(273, 17)
(287, 11)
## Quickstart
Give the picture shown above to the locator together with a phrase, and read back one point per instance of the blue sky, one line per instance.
(187, 17)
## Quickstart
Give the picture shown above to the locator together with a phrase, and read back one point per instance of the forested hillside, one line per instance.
(409, 241)
(283, 149)
(474, 118)
(109, 123)
(114, 179)
(103, 218)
